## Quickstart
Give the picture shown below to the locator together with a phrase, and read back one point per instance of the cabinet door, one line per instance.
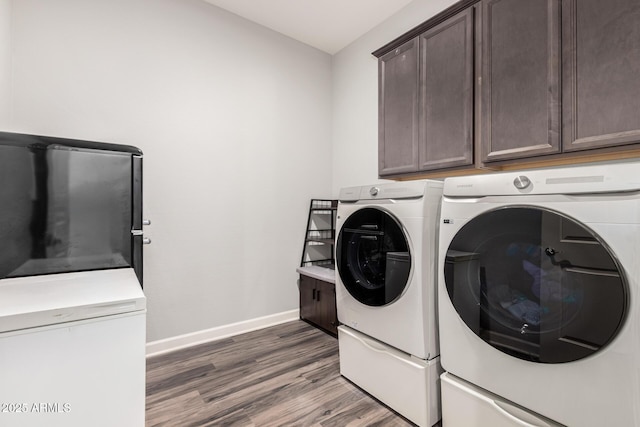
(520, 107)
(446, 93)
(398, 110)
(308, 299)
(601, 72)
(327, 317)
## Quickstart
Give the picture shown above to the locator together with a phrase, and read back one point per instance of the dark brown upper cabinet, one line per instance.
(601, 73)
(496, 84)
(520, 79)
(426, 100)
(446, 94)
(398, 110)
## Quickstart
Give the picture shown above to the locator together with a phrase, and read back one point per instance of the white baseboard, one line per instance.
(167, 345)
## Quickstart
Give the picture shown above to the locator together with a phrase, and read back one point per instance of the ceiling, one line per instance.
(328, 25)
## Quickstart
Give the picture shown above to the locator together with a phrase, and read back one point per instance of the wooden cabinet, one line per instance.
(317, 273)
(426, 100)
(318, 303)
(601, 72)
(520, 79)
(522, 115)
(553, 81)
(398, 110)
(446, 94)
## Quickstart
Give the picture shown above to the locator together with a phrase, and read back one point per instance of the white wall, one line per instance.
(355, 96)
(240, 127)
(5, 63)
(235, 124)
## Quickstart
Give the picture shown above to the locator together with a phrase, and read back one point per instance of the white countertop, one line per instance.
(28, 302)
(317, 272)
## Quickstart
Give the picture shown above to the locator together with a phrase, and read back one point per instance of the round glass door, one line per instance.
(372, 256)
(536, 284)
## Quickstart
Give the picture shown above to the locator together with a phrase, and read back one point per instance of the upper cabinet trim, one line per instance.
(432, 22)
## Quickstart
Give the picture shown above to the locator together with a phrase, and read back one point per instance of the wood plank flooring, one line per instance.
(285, 375)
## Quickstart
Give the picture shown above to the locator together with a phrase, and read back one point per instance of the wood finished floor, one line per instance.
(285, 375)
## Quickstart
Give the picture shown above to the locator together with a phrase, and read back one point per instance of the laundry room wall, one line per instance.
(5, 63)
(355, 96)
(235, 124)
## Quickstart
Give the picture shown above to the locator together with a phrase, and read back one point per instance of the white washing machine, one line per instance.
(385, 288)
(539, 297)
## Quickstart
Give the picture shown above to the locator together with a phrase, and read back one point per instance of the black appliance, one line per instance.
(68, 205)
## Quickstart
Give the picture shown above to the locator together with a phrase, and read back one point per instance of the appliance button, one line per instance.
(521, 182)
(374, 191)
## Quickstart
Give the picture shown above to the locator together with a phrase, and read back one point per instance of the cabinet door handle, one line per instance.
(313, 294)
(318, 296)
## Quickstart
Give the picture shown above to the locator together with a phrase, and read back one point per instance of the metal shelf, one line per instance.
(323, 212)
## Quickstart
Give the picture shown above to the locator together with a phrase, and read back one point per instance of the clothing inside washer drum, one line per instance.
(539, 286)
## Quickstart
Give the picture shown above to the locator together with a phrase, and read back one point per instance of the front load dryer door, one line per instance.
(536, 284)
(373, 257)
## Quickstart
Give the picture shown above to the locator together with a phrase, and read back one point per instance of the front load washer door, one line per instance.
(536, 284)
(373, 257)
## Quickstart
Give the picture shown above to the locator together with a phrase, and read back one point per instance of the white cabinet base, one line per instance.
(77, 374)
(466, 405)
(408, 385)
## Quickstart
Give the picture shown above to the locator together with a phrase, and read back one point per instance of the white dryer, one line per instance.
(539, 297)
(385, 287)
